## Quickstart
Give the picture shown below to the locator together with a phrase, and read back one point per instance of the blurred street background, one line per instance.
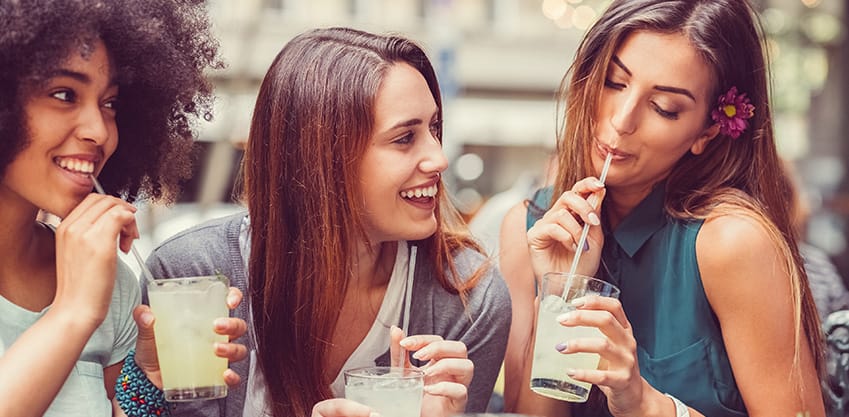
(499, 64)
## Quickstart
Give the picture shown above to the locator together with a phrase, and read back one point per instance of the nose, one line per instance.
(624, 117)
(434, 160)
(92, 124)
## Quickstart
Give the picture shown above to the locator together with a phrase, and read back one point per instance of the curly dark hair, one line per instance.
(160, 50)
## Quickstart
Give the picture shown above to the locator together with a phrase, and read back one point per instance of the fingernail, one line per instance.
(419, 355)
(574, 247)
(594, 220)
(405, 343)
(560, 347)
(578, 302)
(220, 323)
(564, 317)
(586, 245)
(147, 319)
(571, 372)
(598, 183)
(373, 414)
(232, 299)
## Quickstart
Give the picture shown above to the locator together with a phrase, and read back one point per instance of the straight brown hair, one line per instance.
(311, 125)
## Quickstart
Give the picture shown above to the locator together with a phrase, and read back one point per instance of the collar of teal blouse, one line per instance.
(639, 225)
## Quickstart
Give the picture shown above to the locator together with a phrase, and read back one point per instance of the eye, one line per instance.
(64, 95)
(665, 114)
(613, 85)
(435, 129)
(406, 139)
(111, 103)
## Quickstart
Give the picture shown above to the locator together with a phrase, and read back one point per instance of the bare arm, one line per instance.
(515, 265)
(45, 361)
(34, 368)
(749, 289)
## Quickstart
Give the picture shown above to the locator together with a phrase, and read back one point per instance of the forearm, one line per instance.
(34, 368)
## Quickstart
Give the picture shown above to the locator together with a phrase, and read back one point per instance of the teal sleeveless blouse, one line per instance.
(651, 257)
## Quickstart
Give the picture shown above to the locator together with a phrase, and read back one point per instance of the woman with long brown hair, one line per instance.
(693, 227)
(350, 232)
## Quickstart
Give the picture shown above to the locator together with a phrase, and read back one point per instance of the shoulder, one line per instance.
(727, 238)
(214, 237)
(739, 256)
(491, 290)
(211, 244)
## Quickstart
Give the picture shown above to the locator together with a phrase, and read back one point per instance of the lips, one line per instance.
(604, 150)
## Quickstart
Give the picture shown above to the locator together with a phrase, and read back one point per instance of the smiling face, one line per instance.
(71, 132)
(653, 110)
(400, 169)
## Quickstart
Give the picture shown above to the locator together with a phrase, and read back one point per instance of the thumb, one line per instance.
(146, 356)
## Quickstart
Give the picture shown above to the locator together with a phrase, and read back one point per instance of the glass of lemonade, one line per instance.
(185, 309)
(392, 392)
(548, 373)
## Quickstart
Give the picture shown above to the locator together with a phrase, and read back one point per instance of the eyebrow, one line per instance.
(412, 122)
(664, 88)
(406, 123)
(79, 76)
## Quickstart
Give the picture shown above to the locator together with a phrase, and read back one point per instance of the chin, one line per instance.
(420, 233)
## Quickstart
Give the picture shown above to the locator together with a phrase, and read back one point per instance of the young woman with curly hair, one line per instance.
(75, 76)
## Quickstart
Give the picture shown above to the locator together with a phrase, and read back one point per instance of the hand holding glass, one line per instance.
(390, 391)
(548, 373)
(185, 309)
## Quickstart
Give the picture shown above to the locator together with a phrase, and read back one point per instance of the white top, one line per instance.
(84, 392)
(375, 343)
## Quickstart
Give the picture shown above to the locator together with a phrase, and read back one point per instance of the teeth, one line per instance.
(420, 192)
(76, 165)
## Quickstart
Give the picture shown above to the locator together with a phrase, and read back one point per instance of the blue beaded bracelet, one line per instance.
(136, 395)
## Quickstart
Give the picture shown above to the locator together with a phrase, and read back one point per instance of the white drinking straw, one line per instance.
(408, 296)
(583, 240)
(138, 257)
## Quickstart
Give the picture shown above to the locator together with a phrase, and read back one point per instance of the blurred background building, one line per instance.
(499, 63)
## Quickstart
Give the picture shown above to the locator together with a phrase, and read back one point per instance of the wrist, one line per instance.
(653, 403)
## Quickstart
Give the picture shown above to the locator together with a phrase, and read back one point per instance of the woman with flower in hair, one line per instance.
(715, 316)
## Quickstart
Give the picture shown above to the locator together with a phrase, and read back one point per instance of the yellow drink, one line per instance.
(548, 374)
(185, 309)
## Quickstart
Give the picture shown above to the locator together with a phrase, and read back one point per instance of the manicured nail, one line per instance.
(147, 319)
(586, 245)
(571, 372)
(220, 323)
(560, 347)
(598, 183)
(564, 317)
(232, 299)
(594, 220)
(578, 302)
(575, 247)
(405, 343)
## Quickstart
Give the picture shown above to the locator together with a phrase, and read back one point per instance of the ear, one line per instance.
(704, 138)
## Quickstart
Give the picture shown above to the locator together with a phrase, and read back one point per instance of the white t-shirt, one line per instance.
(84, 393)
(373, 345)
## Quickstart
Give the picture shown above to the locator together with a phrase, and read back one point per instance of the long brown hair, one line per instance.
(311, 125)
(731, 175)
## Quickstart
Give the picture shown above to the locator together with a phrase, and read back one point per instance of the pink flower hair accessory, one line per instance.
(731, 112)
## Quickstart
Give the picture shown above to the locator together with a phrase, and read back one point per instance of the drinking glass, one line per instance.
(390, 391)
(548, 373)
(185, 309)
